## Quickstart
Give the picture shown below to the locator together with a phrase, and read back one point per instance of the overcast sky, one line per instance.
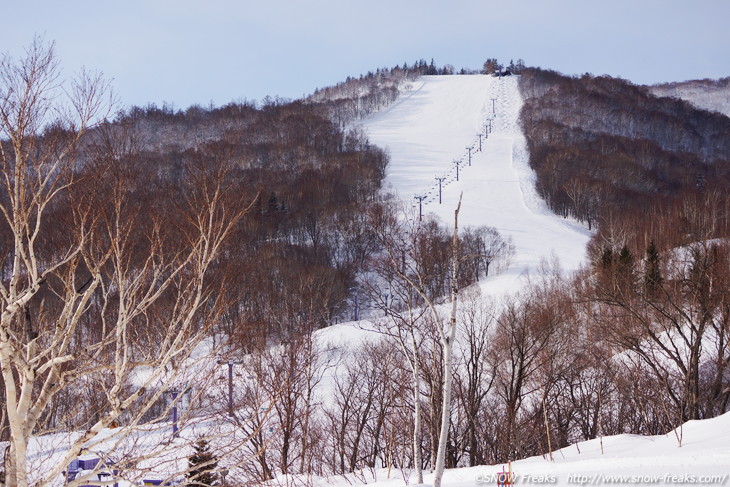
(185, 51)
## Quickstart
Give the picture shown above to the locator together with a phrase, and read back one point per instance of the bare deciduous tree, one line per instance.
(144, 281)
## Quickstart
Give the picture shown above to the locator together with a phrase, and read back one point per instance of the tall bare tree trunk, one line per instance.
(447, 343)
(417, 460)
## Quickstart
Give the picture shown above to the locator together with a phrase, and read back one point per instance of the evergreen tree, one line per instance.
(432, 69)
(700, 181)
(607, 258)
(519, 66)
(202, 466)
(273, 205)
(625, 269)
(652, 272)
(625, 259)
(604, 267)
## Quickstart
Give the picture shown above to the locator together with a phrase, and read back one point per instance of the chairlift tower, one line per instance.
(174, 392)
(420, 199)
(441, 181)
(230, 364)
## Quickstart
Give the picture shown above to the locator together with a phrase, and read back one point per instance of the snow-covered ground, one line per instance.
(630, 460)
(431, 126)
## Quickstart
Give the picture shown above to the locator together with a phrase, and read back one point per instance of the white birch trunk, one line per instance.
(447, 343)
(417, 459)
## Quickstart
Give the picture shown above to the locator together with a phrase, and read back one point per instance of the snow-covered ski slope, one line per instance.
(431, 126)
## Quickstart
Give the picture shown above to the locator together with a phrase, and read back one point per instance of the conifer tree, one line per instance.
(606, 258)
(625, 269)
(491, 65)
(652, 272)
(273, 205)
(202, 466)
(625, 259)
(432, 69)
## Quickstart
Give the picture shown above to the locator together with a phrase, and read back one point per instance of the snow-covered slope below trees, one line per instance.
(702, 459)
(431, 126)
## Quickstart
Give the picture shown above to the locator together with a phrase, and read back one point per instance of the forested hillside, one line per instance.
(652, 177)
(607, 151)
(295, 257)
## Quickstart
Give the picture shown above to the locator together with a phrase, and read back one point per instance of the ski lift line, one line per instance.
(488, 124)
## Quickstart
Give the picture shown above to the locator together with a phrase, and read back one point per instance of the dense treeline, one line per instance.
(601, 146)
(299, 251)
(708, 94)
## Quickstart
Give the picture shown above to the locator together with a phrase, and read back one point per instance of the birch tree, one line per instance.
(80, 255)
(447, 335)
(402, 323)
(406, 271)
(410, 265)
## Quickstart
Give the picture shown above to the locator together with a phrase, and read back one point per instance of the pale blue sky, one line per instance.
(187, 51)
